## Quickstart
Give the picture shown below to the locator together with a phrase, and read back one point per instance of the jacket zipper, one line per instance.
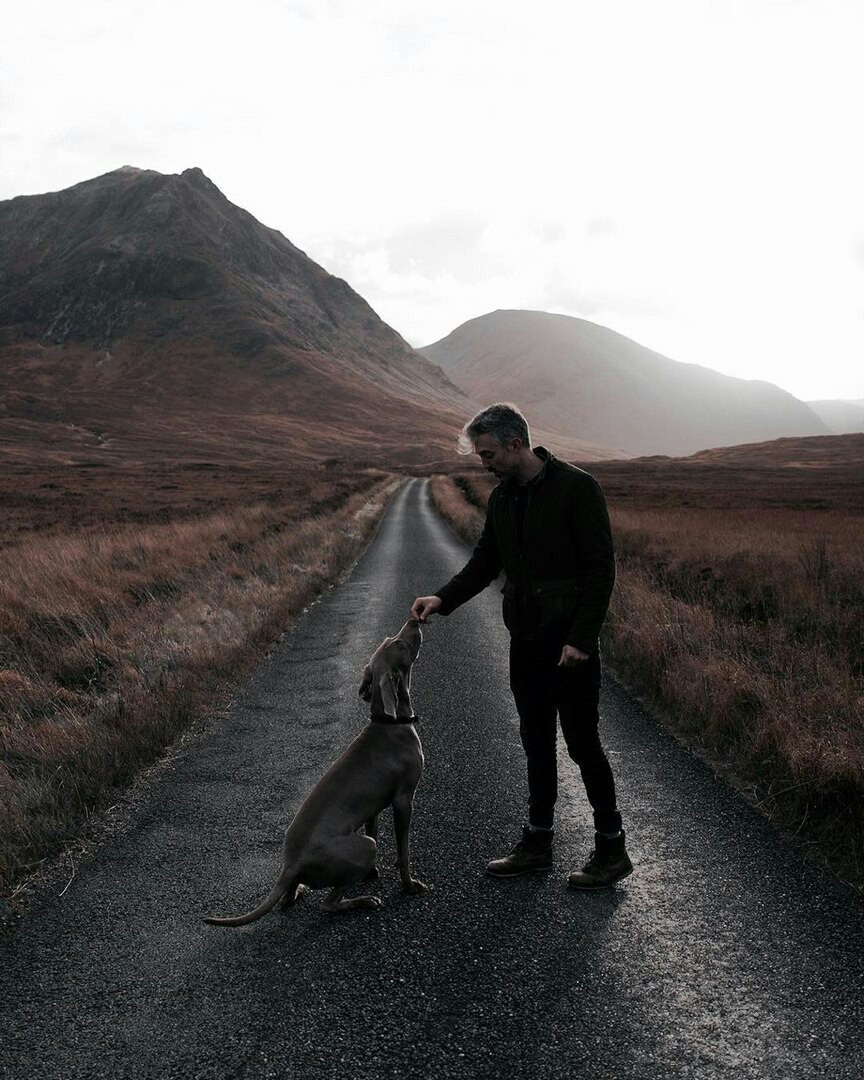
(519, 548)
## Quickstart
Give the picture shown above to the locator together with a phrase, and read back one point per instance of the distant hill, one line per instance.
(145, 315)
(573, 376)
(817, 473)
(842, 417)
(830, 451)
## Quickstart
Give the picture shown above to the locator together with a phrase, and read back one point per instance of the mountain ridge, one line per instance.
(842, 417)
(571, 373)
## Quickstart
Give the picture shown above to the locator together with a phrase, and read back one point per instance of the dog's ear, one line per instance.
(387, 686)
(365, 690)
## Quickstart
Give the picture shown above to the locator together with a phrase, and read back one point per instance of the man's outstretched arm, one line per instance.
(482, 568)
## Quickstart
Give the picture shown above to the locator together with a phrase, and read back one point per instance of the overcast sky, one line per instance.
(687, 173)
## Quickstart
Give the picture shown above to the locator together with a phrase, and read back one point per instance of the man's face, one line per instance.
(502, 459)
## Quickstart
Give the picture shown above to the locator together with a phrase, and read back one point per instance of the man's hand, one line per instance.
(424, 606)
(572, 657)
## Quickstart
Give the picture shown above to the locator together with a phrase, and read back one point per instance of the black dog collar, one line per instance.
(386, 718)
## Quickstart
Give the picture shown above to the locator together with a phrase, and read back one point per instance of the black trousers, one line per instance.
(545, 692)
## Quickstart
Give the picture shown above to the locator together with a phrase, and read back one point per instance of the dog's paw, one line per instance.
(415, 887)
(292, 897)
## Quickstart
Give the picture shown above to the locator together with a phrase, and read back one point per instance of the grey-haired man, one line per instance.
(548, 529)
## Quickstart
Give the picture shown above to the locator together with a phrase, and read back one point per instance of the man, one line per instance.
(548, 529)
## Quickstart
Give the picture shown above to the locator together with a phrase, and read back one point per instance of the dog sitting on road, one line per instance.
(381, 767)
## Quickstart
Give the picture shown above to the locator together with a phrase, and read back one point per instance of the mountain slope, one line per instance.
(842, 417)
(143, 313)
(573, 376)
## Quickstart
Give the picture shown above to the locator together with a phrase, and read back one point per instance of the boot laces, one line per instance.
(592, 864)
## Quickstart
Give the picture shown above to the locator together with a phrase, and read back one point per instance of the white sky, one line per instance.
(687, 172)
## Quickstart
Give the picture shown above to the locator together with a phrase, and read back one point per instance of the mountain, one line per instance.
(573, 376)
(842, 417)
(145, 315)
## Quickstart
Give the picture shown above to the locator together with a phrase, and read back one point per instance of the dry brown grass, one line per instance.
(451, 503)
(746, 628)
(113, 640)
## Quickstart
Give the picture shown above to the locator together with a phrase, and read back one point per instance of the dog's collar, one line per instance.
(386, 718)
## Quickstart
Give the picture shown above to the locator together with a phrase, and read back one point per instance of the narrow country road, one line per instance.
(725, 954)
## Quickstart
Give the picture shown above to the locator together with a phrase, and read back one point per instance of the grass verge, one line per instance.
(745, 630)
(113, 640)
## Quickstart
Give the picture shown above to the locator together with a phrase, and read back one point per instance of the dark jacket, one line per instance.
(558, 582)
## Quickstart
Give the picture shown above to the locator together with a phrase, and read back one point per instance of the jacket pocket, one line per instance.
(554, 604)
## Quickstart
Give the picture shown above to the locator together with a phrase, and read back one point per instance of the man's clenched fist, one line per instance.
(424, 606)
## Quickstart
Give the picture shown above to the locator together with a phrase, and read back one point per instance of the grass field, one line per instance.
(741, 618)
(116, 634)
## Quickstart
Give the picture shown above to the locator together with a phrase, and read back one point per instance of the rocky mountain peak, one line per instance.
(156, 290)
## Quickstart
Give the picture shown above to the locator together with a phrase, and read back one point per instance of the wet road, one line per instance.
(724, 954)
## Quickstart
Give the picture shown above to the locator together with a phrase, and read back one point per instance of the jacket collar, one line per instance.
(546, 457)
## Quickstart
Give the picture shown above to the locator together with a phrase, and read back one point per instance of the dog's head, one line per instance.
(387, 677)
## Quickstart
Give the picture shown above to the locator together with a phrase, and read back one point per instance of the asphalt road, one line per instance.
(724, 954)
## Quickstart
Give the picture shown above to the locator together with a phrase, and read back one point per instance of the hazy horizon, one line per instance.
(683, 174)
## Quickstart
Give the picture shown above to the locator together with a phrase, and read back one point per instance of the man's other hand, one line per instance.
(424, 606)
(572, 657)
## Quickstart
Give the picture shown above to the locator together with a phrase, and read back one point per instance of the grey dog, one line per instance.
(381, 767)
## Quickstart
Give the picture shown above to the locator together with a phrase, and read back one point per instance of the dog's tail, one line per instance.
(285, 883)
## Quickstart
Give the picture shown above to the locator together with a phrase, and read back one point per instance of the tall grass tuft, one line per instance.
(465, 519)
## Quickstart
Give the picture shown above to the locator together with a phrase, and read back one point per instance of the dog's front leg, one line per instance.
(371, 829)
(402, 807)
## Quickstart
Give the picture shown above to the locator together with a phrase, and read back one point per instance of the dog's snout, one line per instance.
(412, 634)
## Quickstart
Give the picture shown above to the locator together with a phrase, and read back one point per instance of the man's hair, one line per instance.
(502, 420)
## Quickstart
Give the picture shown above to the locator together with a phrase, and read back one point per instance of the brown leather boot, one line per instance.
(608, 863)
(533, 853)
